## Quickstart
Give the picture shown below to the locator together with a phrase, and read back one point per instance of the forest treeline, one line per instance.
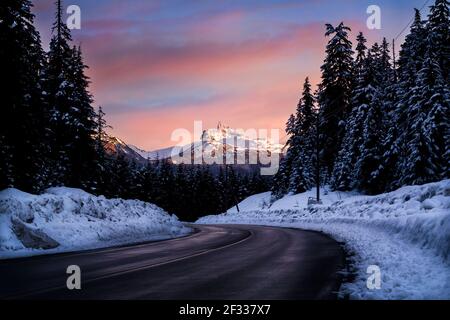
(375, 123)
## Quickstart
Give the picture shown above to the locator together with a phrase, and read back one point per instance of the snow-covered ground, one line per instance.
(406, 233)
(64, 219)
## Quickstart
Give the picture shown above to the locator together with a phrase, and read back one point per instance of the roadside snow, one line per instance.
(65, 219)
(406, 233)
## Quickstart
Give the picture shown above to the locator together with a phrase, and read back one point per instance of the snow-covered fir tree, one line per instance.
(72, 116)
(281, 180)
(343, 177)
(59, 97)
(335, 92)
(85, 153)
(303, 144)
(296, 172)
(427, 132)
(439, 41)
(368, 163)
(438, 30)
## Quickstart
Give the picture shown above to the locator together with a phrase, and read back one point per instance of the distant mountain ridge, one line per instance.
(116, 148)
(231, 142)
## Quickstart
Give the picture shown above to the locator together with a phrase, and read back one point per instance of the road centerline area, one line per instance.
(220, 262)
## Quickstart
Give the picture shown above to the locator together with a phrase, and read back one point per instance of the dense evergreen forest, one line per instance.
(374, 124)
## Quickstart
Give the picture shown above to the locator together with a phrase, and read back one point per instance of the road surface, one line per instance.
(216, 263)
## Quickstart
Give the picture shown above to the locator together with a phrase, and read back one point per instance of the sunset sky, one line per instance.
(159, 65)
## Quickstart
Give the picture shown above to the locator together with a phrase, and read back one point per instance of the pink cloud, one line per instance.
(136, 60)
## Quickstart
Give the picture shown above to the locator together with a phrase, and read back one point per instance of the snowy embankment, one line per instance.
(406, 233)
(64, 219)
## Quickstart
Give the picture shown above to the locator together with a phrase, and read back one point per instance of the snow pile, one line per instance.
(66, 219)
(406, 233)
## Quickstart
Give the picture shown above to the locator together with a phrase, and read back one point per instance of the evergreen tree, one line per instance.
(24, 120)
(72, 116)
(85, 152)
(438, 62)
(438, 30)
(207, 192)
(296, 173)
(422, 115)
(343, 177)
(101, 126)
(367, 169)
(101, 176)
(165, 196)
(121, 178)
(384, 66)
(59, 97)
(427, 132)
(281, 180)
(233, 187)
(259, 184)
(335, 93)
(182, 191)
(361, 53)
(221, 185)
(369, 119)
(149, 179)
(302, 145)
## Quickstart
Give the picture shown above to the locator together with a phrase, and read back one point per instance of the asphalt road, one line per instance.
(216, 263)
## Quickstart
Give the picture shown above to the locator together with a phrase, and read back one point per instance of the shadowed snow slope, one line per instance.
(65, 219)
(406, 233)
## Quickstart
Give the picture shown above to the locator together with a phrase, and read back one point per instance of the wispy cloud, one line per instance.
(159, 65)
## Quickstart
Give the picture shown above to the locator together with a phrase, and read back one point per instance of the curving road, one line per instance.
(216, 263)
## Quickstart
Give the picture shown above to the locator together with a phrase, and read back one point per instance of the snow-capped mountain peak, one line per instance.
(223, 138)
(248, 140)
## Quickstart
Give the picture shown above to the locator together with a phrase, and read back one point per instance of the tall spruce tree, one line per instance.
(427, 132)
(385, 100)
(439, 35)
(438, 41)
(73, 145)
(85, 153)
(59, 97)
(368, 163)
(281, 180)
(343, 177)
(24, 117)
(335, 93)
(303, 143)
